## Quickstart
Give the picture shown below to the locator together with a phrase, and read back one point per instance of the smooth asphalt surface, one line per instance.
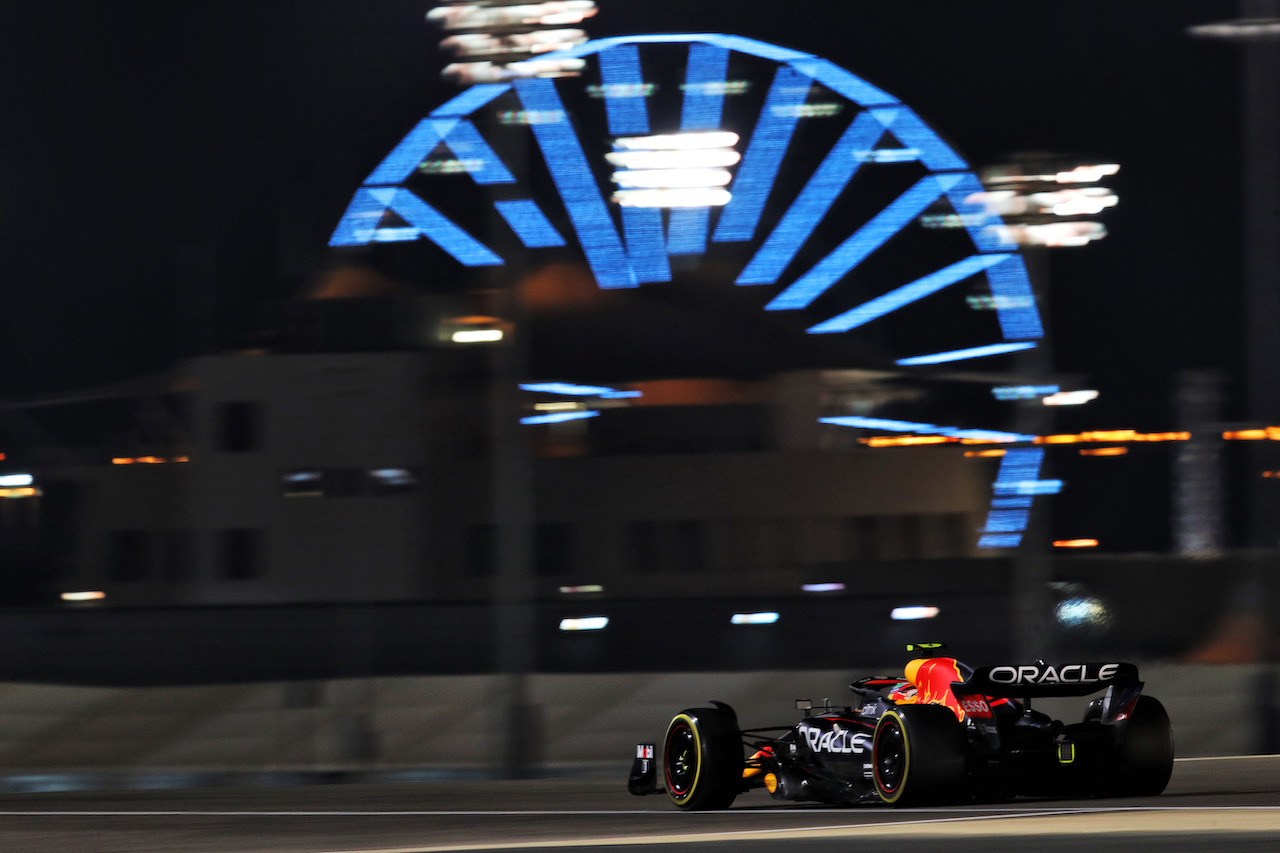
(1211, 804)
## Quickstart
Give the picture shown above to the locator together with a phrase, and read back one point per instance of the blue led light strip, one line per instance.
(962, 354)
(1022, 463)
(480, 160)
(463, 141)
(438, 228)
(976, 215)
(825, 72)
(908, 293)
(628, 115)
(405, 157)
(360, 221)
(577, 186)
(530, 223)
(842, 82)
(702, 109)
(623, 90)
(574, 390)
(1009, 516)
(557, 417)
(704, 81)
(1015, 300)
(866, 240)
(470, 100)
(814, 201)
(936, 155)
(643, 227)
(1000, 540)
(925, 429)
(769, 142)
(1007, 520)
(687, 230)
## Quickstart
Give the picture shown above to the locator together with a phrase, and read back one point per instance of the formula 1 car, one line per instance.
(942, 732)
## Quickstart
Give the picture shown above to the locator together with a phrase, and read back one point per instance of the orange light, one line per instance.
(1246, 435)
(1271, 474)
(1075, 543)
(1110, 435)
(906, 440)
(122, 460)
(25, 492)
(150, 460)
(1104, 451)
(985, 453)
(182, 459)
(1166, 436)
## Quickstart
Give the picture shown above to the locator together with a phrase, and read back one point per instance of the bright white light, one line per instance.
(581, 589)
(471, 73)
(1070, 398)
(823, 587)
(1261, 29)
(669, 178)
(1084, 201)
(477, 17)
(767, 618)
(678, 141)
(1079, 175)
(586, 623)
(1049, 234)
(699, 158)
(1087, 174)
(903, 614)
(672, 198)
(9, 481)
(674, 170)
(1085, 205)
(94, 595)
(477, 336)
(472, 45)
(1075, 612)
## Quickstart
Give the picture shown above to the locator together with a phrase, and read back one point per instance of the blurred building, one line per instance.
(351, 463)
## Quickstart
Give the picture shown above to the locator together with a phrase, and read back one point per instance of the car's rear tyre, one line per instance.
(702, 758)
(918, 755)
(1141, 753)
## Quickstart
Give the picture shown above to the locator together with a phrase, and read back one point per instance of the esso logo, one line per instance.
(975, 706)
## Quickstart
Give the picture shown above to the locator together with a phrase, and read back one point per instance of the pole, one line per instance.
(1032, 564)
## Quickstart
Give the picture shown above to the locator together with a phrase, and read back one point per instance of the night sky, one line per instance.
(168, 170)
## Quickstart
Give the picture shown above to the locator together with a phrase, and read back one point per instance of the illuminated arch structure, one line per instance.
(626, 247)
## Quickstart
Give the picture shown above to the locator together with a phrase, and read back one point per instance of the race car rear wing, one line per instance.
(1018, 681)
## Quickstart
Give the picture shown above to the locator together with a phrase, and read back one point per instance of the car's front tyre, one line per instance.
(702, 758)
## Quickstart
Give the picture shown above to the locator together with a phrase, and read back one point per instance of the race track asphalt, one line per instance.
(1211, 804)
